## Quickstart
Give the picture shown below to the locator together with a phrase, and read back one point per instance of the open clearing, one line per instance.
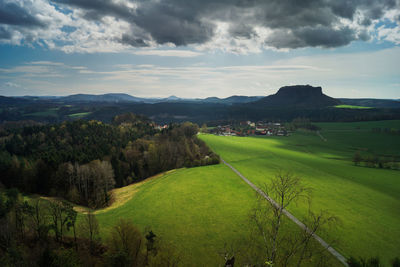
(79, 115)
(352, 107)
(366, 200)
(196, 210)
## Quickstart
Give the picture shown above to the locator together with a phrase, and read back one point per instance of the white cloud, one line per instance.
(389, 34)
(68, 28)
(41, 69)
(11, 84)
(167, 53)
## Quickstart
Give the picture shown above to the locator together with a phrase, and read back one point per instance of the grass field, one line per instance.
(352, 107)
(366, 200)
(51, 112)
(79, 115)
(197, 210)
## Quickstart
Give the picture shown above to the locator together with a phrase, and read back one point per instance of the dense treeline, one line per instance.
(47, 233)
(376, 161)
(210, 113)
(83, 160)
(386, 130)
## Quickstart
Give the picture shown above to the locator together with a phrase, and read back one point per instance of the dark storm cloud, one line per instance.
(293, 23)
(4, 34)
(168, 23)
(325, 36)
(312, 36)
(13, 14)
(96, 9)
(242, 30)
(133, 41)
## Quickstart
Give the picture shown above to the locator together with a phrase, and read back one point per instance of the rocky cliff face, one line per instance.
(299, 96)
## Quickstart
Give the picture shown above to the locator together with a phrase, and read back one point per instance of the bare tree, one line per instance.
(283, 243)
(125, 245)
(285, 189)
(314, 222)
(90, 229)
(94, 180)
(62, 216)
(39, 219)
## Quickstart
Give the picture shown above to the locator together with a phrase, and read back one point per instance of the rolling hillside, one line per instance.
(366, 200)
(195, 210)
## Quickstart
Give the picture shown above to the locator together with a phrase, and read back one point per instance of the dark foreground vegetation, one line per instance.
(83, 160)
(46, 233)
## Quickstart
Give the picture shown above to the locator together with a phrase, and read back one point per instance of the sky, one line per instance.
(202, 48)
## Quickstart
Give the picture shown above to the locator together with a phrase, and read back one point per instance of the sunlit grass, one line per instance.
(79, 115)
(366, 200)
(352, 107)
(197, 210)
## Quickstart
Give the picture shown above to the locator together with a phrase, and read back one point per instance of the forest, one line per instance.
(82, 161)
(211, 113)
(47, 233)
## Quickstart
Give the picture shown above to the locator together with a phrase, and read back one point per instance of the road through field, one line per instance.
(335, 253)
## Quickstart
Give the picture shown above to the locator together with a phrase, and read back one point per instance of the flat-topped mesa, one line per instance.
(300, 91)
(304, 96)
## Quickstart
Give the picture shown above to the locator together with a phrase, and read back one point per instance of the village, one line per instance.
(248, 128)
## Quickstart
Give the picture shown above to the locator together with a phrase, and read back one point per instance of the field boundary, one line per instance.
(333, 251)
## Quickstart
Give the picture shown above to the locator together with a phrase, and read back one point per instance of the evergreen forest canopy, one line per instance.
(83, 160)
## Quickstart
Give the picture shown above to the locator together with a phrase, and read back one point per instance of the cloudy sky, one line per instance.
(201, 48)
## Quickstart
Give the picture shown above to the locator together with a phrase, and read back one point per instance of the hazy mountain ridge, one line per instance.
(122, 97)
(300, 96)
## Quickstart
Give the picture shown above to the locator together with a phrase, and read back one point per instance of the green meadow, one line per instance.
(366, 200)
(51, 112)
(199, 210)
(79, 115)
(351, 107)
(195, 210)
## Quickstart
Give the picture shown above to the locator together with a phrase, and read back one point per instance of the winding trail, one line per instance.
(334, 252)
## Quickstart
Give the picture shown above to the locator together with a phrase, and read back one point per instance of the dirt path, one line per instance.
(335, 253)
(320, 135)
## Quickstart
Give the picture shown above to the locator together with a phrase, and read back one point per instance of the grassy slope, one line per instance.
(51, 112)
(352, 107)
(79, 115)
(197, 210)
(366, 200)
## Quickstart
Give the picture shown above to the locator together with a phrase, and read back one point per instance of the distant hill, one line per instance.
(235, 99)
(172, 98)
(115, 98)
(298, 96)
(6, 100)
(100, 98)
(371, 102)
